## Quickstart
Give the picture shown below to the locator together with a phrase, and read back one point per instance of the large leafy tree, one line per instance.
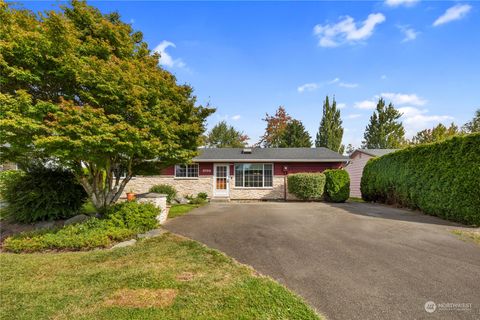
(330, 132)
(276, 124)
(82, 89)
(437, 133)
(295, 136)
(474, 125)
(224, 136)
(384, 131)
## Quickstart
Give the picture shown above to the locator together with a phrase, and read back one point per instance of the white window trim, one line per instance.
(263, 175)
(186, 171)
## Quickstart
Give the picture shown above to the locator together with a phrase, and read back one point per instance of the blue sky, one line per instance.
(248, 58)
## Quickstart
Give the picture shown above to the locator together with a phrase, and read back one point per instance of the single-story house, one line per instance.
(241, 174)
(358, 160)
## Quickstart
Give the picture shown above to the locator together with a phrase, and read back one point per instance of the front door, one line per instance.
(221, 180)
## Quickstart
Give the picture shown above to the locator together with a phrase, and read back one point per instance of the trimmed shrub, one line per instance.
(201, 198)
(202, 195)
(170, 191)
(306, 186)
(121, 222)
(337, 185)
(42, 194)
(133, 215)
(441, 179)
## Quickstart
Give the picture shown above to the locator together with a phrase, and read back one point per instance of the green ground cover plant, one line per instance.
(122, 221)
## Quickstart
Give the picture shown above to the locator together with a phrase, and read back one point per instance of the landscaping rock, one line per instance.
(152, 233)
(124, 244)
(76, 219)
(44, 225)
(182, 200)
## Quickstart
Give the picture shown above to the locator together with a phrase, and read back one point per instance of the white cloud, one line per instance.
(365, 104)
(398, 99)
(165, 58)
(408, 32)
(341, 105)
(354, 116)
(415, 120)
(396, 3)
(383, 77)
(308, 87)
(312, 86)
(336, 80)
(348, 85)
(403, 98)
(456, 12)
(346, 30)
(236, 117)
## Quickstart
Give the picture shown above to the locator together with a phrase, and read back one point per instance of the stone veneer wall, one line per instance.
(142, 184)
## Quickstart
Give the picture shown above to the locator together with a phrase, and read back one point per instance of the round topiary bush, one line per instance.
(42, 194)
(170, 191)
(337, 185)
(306, 186)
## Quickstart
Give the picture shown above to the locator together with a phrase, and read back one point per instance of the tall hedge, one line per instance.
(306, 186)
(441, 179)
(337, 185)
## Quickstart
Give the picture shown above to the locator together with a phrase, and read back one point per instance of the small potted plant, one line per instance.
(130, 195)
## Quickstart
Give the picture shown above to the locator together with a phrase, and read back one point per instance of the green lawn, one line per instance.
(180, 209)
(161, 278)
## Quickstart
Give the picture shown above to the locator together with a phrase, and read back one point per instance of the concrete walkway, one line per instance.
(349, 261)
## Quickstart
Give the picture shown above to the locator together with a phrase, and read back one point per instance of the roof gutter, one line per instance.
(270, 160)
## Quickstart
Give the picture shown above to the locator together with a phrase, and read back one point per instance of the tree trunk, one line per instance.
(104, 185)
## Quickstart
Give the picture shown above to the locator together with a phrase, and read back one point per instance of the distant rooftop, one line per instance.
(270, 154)
(377, 152)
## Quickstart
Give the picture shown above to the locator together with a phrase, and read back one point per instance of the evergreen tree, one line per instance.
(350, 149)
(384, 130)
(438, 133)
(474, 125)
(295, 136)
(330, 132)
(225, 136)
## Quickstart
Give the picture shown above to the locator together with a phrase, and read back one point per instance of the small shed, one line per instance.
(358, 160)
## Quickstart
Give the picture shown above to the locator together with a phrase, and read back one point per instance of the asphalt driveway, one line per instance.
(351, 260)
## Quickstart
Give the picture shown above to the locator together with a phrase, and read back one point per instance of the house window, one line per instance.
(186, 170)
(253, 175)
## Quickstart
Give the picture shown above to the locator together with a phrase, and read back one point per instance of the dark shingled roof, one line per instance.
(377, 152)
(270, 154)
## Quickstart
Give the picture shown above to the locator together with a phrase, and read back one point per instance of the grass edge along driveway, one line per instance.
(169, 277)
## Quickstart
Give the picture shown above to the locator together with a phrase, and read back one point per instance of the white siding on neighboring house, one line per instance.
(355, 170)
